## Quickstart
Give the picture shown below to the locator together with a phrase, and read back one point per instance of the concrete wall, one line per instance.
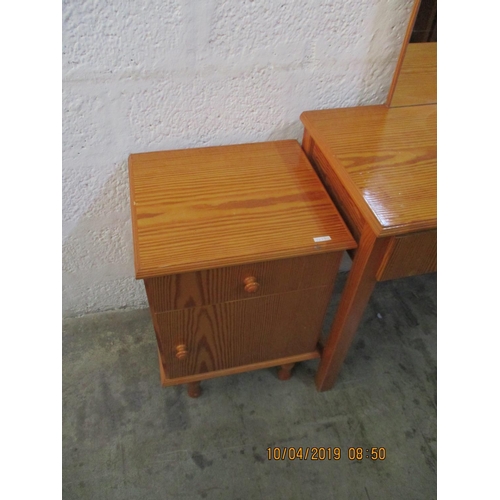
(164, 74)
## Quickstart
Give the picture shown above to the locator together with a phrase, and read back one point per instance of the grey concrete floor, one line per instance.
(126, 437)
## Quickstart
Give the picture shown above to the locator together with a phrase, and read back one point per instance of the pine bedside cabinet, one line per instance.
(238, 247)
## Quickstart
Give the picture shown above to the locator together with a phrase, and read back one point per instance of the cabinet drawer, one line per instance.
(213, 286)
(409, 255)
(210, 338)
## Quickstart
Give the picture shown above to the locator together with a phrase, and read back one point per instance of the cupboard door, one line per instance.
(210, 338)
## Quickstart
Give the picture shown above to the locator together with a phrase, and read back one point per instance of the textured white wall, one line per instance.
(164, 74)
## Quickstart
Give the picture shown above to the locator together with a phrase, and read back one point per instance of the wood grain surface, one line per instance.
(355, 296)
(338, 193)
(213, 207)
(168, 382)
(213, 286)
(242, 332)
(386, 160)
(417, 82)
(409, 255)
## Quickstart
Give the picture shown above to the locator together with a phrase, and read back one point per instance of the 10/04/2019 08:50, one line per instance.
(324, 453)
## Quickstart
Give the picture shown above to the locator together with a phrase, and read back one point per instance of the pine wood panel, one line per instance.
(213, 286)
(166, 382)
(355, 296)
(386, 160)
(417, 82)
(244, 332)
(215, 207)
(409, 255)
(334, 186)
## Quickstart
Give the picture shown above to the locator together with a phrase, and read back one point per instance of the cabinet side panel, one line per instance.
(335, 188)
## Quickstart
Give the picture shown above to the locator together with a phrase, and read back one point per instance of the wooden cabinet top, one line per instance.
(386, 160)
(209, 207)
(417, 80)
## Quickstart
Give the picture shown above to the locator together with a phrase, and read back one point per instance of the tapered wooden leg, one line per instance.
(285, 371)
(355, 296)
(194, 389)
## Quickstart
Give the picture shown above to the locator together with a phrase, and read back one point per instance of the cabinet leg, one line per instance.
(355, 296)
(285, 371)
(194, 389)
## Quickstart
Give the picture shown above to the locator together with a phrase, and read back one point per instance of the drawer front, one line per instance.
(409, 255)
(213, 286)
(210, 338)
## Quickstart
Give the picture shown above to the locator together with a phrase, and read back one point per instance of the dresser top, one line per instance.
(202, 208)
(417, 80)
(386, 160)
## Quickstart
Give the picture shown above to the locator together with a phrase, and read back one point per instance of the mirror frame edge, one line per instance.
(406, 41)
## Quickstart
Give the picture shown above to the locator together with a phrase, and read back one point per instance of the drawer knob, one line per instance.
(251, 285)
(181, 351)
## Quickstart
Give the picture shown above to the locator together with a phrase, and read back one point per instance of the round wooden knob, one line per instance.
(181, 351)
(251, 285)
